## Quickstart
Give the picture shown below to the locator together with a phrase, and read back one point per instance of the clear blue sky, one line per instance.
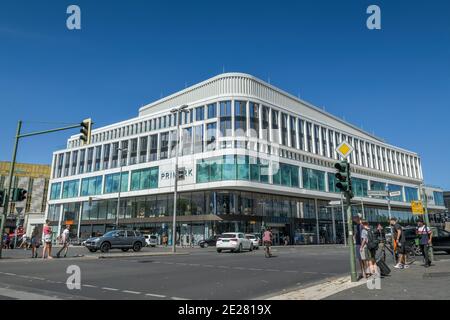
(394, 82)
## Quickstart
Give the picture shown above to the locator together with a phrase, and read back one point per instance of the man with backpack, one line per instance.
(369, 246)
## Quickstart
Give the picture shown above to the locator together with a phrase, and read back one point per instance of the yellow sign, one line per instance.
(417, 207)
(344, 149)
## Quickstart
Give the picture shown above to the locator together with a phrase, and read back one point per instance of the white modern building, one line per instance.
(253, 155)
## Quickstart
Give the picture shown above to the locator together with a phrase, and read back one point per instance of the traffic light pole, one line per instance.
(427, 220)
(350, 241)
(12, 167)
(10, 179)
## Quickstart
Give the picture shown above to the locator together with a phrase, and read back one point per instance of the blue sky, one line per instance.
(394, 82)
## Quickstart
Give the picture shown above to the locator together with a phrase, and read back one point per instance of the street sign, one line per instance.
(377, 193)
(335, 203)
(417, 207)
(344, 149)
(395, 193)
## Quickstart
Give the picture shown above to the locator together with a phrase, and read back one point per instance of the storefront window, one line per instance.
(112, 182)
(144, 179)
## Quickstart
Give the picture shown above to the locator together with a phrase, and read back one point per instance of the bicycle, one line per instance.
(267, 250)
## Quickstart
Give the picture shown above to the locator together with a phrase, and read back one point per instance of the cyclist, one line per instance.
(267, 240)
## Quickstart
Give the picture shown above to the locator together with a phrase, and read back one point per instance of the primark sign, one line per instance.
(170, 175)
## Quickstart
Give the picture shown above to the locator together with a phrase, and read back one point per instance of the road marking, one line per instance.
(131, 292)
(10, 274)
(223, 267)
(110, 289)
(177, 298)
(208, 266)
(37, 278)
(272, 270)
(155, 295)
(310, 272)
(21, 295)
(89, 286)
(291, 271)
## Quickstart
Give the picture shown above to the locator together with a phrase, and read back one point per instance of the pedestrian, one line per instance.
(399, 244)
(47, 249)
(6, 241)
(35, 242)
(381, 236)
(165, 240)
(287, 240)
(357, 239)
(425, 240)
(369, 246)
(64, 240)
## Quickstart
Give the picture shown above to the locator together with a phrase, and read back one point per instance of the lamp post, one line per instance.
(120, 184)
(176, 112)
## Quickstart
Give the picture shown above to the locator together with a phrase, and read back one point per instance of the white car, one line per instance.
(254, 239)
(233, 241)
(151, 240)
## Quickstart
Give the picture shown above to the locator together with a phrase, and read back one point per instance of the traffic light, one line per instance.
(181, 173)
(86, 129)
(344, 183)
(19, 195)
(2, 197)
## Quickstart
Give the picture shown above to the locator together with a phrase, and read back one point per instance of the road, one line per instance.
(203, 274)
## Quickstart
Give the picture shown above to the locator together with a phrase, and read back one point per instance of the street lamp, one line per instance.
(176, 112)
(120, 184)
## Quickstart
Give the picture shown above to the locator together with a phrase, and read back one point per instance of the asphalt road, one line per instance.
(204, 275)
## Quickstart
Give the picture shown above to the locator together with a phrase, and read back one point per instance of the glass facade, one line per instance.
(112, 183)
(359, 187)
(411, 194)
(438, 198)
(70, 189)
(313, 179)
(55, 191)
(144, 179)
(91, 186)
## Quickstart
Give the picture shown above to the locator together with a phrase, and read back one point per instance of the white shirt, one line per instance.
(65, 235)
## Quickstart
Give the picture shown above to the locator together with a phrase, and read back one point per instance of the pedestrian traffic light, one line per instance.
(2, 197)
(86, 129)
(19, 195)
(344, 183)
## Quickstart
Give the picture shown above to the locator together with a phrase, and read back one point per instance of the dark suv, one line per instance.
(116, 239)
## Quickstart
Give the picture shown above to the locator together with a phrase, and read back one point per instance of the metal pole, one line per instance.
(334, 224)
(353, 274)
(362, 208)
(427, 220)
(10, 179)
(174, 226)
(343, 220)
(79, 221)
(390, 226)
(118, 194)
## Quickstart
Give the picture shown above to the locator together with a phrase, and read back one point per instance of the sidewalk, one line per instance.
(415, 283)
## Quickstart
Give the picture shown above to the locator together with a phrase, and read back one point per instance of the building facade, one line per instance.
(35, 179)
(253, 155)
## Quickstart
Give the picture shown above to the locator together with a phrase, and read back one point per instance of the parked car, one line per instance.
(254, 239)
(210, 242)
(116, 239)
(151, 240)
(441, 240)
(233, 241)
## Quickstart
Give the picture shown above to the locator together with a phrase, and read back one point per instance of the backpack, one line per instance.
(372, 240)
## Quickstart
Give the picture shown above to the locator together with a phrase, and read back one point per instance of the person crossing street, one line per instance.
(64, 240)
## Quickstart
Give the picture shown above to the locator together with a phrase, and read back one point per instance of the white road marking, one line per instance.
(37, 278)
(177, 298)
(310, 272)
(8, 292)
(155, 295)
(131, 292)
(110, 289)
(10, 274)
(89, 286)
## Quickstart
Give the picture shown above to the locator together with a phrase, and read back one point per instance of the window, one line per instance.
(285, 175)
(359, 187)
(144, 179)
(225, 119)
(112, 183)
(82, 156)
(198, 139)
(115, 155)
(254, 120)
(211, 131)
(91, 186)
(240, 118)
(309, 136)
(438, 198)
(316, 139)
(324, 142)
(212, 110)
(143, 149)
(106, 154)
(74, 162)
(187, 141)
(293, 129)
(70, 189)
(331, 143)
(200, 113)
(164, 143)
(275, 127)
(393, 187)
(98, 154)
(173, 143)
(377, 186)
(332, 180)
(133, 151)
(55, 191)
(90, 157)
(67, 164)
(124, 153)
(411, 194)
(313, 179)
(265, 123)
(284, 133)
(153, 147)
(301, 131)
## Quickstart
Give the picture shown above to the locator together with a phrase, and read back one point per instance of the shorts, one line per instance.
(48, 238)
(267, 243)
(364, 253)
(358, 252)
(402, 248)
